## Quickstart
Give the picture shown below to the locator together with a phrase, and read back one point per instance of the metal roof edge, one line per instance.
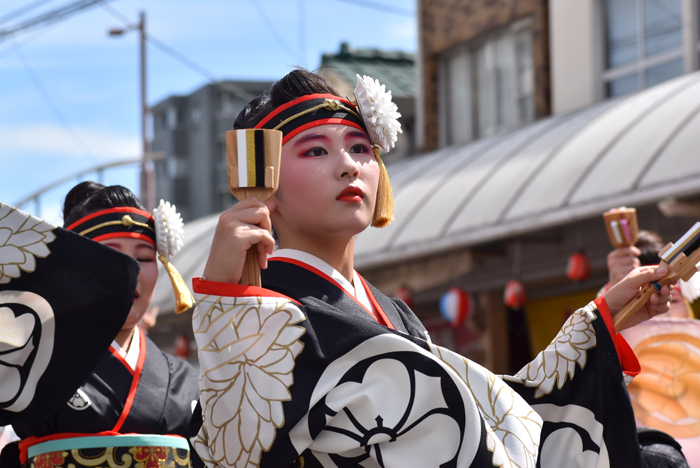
(535, 222)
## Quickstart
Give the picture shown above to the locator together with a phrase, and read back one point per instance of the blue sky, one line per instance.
(91, 80)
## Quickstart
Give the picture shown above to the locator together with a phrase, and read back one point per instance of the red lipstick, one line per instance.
(351, 195)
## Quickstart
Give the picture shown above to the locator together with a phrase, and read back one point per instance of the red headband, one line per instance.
(117, 222)
(311, 111)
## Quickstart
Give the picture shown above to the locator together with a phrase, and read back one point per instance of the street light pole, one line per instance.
(147, 179)
(148, 186)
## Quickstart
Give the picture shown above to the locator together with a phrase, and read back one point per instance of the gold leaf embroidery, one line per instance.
(513, 427)
(558, 361)
(247, 350)
(23, 237)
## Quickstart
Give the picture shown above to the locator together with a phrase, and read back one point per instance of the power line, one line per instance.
(54, 109)
(49, 17)
(231, 87)
(270, 27)
(381, 7)
(180, 57)
(25, 9)
(11, 49)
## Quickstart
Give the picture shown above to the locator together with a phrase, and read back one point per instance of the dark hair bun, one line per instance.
(89, 197)
(293, 85)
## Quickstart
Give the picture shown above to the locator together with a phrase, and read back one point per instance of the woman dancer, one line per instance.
(135, 387)
(318, 368)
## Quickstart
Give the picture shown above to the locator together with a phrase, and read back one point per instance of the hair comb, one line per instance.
(253, 161)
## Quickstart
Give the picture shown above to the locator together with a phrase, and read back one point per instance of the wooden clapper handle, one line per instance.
(253, 160)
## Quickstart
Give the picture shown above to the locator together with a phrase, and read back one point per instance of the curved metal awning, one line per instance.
(631, 151)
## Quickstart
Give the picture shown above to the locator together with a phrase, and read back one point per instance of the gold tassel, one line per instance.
(688, 309)
(384, 206)
(183, 297)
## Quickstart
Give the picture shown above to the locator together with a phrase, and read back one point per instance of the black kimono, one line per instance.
(63, 299)
(298, 373)
(155, 398)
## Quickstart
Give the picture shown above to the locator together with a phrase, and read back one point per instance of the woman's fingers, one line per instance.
(245, 225)
(265, 247)
(621, 293)
(249, 211)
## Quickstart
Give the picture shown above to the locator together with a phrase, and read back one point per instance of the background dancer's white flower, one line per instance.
(170, 232)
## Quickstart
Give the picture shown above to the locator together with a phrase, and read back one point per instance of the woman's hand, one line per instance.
(621, 293)
(620, 262)
(241, 227)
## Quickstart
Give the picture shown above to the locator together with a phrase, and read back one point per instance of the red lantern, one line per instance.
(514, 294)
(579, 268)
(405, 294)
(182, 347)
(456, 305)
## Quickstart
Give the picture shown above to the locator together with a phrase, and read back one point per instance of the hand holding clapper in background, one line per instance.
(681, 258)
(253, 159)
(622, 227)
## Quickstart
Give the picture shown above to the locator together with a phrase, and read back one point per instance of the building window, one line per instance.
(644, 44)
(487, 85)
(226, 103)
(172, 116)
(160, 120)
(195, 115)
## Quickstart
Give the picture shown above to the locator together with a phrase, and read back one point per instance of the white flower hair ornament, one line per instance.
(381, 116)
(170, 236)
(690, 289)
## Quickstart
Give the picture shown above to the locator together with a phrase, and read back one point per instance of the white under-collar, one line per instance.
(132, 356)
(357, 291)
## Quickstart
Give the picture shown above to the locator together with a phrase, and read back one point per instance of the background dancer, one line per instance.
(134, 388)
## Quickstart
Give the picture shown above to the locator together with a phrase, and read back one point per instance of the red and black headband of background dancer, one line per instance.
(117, 222)
(311, 111)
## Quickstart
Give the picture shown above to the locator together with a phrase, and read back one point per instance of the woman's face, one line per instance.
(677, 308)
(145, 254)
(328, 184)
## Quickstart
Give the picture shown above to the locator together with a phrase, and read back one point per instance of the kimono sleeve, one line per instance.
(282, 383)
(63, 299)
(247, 342)
(578, 387)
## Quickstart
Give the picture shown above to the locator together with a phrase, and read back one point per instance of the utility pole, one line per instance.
(148, 173)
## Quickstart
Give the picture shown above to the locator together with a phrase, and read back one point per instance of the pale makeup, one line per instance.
(328, 185)
(144, 253)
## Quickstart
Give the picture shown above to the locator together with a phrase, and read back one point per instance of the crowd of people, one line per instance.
(316, 367)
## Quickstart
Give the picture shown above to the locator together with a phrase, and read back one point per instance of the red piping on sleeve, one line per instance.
(628, 360)
(216, 288)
